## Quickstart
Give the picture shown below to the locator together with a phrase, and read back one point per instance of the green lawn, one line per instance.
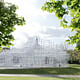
(72, 70)
(36, 78)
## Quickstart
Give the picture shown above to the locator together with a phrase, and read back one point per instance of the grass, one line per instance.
(36, 78)
(74, 69)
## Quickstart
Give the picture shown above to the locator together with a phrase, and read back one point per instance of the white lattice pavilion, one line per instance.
(33, 55)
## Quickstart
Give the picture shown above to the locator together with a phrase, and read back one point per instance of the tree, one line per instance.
(74, 56)
(8, 19)
(68, 8)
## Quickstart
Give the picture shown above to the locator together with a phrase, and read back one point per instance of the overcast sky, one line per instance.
(38, 23)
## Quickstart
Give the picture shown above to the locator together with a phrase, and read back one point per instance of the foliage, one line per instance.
(78, 45)
(65, 9)
(74, 56)
(8, 19)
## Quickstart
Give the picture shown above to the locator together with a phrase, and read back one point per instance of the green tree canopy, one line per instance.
(8, 19)
(68, 8)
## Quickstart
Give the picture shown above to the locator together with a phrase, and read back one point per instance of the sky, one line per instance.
(38, 23)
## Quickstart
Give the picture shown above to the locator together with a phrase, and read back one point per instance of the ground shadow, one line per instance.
(53, 71)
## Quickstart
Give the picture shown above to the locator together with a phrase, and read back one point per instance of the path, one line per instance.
(36, 75)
